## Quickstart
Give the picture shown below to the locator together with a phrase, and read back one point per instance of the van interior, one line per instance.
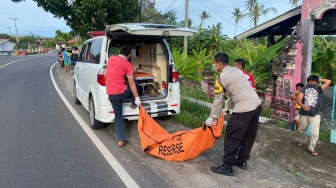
(150, 65)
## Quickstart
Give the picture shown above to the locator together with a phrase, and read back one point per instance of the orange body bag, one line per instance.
(178, 146)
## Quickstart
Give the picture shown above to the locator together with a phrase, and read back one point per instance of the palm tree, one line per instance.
(294, 3)
(238, 16)
(204, 15)
(249, 8)
(260, 10)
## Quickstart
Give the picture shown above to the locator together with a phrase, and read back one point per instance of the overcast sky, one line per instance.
(34, 20)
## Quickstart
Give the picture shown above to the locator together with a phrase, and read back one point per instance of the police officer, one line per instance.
(242, 126)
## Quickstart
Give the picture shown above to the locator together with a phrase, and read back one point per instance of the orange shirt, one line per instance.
(117, 69)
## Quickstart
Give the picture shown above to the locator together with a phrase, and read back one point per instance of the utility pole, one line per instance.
(9, 30)
(17, 38)
(185, 43)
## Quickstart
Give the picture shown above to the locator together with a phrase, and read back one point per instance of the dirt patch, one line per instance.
(278, 145)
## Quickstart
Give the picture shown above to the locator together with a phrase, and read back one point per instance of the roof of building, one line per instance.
(74, 40)
(284, 22)
(3, 41)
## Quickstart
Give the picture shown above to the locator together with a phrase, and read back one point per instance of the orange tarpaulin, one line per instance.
(141, 74)
(178, 146)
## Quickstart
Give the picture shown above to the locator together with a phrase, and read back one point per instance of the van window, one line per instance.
(82, 53)
(95, 57)
(88, 55)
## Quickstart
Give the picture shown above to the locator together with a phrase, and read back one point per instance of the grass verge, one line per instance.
(192, 114)
(297, 173)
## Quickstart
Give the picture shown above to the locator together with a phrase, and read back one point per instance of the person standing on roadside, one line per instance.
(298, 88)
(240, 64)
(242, 126)
(66, 60)
(74, 57)
(118, 68)
(309, 100)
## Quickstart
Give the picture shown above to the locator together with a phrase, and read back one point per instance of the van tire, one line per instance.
(95, 124)
(74, 94)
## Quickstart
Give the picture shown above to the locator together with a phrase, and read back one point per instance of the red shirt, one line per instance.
(117, 69)
(250, 79)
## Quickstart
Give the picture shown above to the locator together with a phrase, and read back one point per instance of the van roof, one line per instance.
(148, 29)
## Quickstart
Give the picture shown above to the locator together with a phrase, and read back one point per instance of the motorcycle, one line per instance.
(61, 62)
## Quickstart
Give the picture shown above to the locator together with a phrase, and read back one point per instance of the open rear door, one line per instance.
(148, 29)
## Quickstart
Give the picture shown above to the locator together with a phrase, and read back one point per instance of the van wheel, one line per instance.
(74, 94)
(95, 124)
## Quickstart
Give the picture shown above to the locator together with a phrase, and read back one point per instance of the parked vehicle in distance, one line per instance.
(153, 66)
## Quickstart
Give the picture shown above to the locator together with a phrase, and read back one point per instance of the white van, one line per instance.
(153, 65)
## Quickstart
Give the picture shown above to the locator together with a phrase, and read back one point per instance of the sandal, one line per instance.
(300, 144)
(134, 106)
(124, 142)
(313, 152)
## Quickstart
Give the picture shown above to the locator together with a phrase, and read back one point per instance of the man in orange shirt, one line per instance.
(118, 68)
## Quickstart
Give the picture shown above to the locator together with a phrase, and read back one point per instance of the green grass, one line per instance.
(192, 114)
(266, 112)
(196, 94)
(282, 124)
(297, 173)
(324, 135)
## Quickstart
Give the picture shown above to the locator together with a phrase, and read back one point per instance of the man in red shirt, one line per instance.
(240, 64)
(118, 68)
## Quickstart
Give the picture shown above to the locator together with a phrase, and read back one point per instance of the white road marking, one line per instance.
(122, 173)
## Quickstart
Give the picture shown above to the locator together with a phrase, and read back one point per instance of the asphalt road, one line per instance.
(41, 142)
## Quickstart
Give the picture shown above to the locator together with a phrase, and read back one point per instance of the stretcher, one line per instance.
(178, 146)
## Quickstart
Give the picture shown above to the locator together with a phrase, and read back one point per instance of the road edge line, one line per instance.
(122, 173)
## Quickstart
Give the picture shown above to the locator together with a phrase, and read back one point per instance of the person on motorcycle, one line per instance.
(60, 58)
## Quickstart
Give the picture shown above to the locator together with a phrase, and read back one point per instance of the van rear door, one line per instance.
(148, 29)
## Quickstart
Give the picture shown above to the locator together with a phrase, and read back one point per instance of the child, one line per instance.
(298, 87)
(66, 59)
(309, 100)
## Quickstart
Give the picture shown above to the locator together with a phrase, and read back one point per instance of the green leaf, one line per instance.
(271, 52)
(330, 54)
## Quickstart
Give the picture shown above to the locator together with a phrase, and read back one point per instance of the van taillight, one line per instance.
(101, 79)
(174, 75)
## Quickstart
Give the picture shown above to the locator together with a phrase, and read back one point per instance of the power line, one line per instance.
(221, 16)
(169, 7)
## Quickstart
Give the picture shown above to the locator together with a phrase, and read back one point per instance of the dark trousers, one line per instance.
(117, 105)
(241, 131)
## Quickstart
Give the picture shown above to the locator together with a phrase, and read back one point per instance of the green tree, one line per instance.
(150, 14)
(204, 15)
(249, 4)
(237, 16)
(324, 58)
(87, 15)
(11, 38)
(59, 37)
(182, 23)
(260, 10)
(294, 3)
